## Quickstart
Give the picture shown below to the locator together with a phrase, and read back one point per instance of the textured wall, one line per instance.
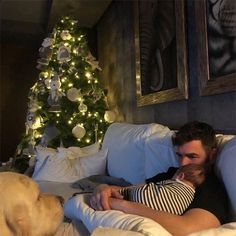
(117, 57)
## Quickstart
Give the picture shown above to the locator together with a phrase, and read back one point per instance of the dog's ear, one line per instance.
(19, 221)
(3, 225)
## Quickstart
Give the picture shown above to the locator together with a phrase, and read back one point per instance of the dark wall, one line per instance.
(18, 73)
(117, 57)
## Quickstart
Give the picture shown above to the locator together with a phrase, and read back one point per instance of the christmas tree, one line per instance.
(67, 105)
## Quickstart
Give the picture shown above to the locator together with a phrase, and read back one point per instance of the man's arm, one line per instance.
(193, 220)
(100, 197)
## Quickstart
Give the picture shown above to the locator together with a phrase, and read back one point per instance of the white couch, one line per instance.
(137, 152)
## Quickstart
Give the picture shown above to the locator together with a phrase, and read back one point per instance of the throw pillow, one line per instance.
(125, 144)
(92, 165)
(57, 169)
(159, 153)
(75, 152)
(41, 154)
(70, 164)
(226, 167)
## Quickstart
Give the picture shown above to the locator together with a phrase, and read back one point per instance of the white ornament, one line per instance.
(33, 121)
(83, 107)
(63, 54)
(110, 116)
(78, 131)
(47, 83)
(47, 42)
(55, 84)
(65, 35)
(73, 94)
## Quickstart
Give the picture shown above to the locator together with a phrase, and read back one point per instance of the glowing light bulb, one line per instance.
(70, 85)
(87, 140)
(69, 122)
(88, 75)
(57, 114)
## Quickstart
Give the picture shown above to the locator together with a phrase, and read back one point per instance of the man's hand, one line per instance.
(100, 197)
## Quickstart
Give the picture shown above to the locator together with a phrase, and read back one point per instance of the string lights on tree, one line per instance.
(67, 105)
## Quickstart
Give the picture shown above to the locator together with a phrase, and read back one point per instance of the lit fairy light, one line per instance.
(70, 85)
(88, 75)
(95, 81)
(72, 63)
(63, 79)
(69, 122)
(57, 114)
(87, 140)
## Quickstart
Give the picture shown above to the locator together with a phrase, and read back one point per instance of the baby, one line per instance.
(172, 195)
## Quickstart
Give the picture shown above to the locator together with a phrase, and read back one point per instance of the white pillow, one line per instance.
(226, 166)
(125, 143)
(159, 153)
(58, 169)
(63, 167)
(41, 154)
(92, 165)
(77, 209)
(75, 152)
(87, 150)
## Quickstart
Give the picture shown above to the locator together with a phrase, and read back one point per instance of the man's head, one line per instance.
(196, 143)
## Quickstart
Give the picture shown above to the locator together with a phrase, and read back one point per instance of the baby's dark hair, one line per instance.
(194, 173)
(196, 131)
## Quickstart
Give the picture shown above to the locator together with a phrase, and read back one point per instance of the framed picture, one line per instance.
(215, 40)
(161, 54)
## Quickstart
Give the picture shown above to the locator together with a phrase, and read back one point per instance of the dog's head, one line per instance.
(26, 211)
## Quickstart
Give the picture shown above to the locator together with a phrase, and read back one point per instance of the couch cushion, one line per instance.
(125, 143)
(226, 167)
(159, 153)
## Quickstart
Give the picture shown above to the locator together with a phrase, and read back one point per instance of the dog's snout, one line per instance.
(61, 199)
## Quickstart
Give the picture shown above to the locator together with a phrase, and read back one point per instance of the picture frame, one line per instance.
(179, 88)
(210, 83)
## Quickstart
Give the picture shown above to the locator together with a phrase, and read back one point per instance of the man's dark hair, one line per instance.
(196, 131)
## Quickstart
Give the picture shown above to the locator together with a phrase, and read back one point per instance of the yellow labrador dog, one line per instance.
(24, 211)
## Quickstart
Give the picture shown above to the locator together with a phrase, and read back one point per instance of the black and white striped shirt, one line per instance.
(171, 196)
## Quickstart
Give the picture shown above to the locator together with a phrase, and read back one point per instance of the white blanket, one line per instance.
(77, 208)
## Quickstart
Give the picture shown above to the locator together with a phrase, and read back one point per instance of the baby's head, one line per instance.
(192, 174)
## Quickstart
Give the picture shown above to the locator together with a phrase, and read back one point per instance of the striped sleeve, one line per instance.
(169, 196)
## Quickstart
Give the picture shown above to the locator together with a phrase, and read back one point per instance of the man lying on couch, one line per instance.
(196, 144)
